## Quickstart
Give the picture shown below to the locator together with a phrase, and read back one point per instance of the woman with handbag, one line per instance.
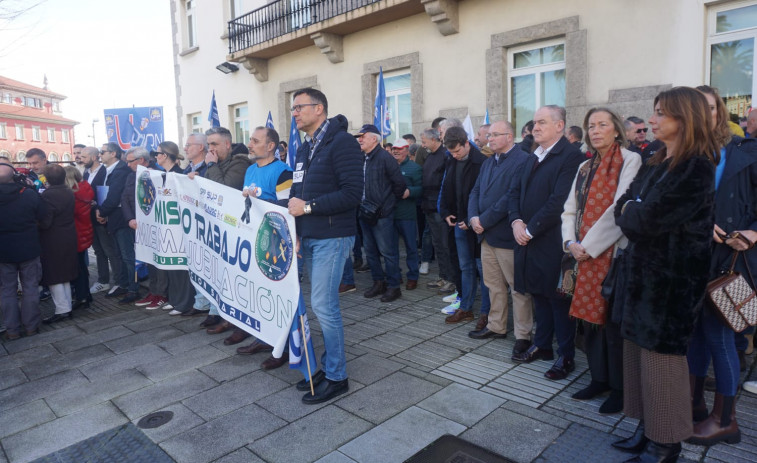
(735, 222)
(667, 215)
(592, 238)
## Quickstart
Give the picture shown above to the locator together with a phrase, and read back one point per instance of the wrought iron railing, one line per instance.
(282, 17)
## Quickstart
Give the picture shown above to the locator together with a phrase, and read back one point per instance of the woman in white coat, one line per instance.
(589, 233)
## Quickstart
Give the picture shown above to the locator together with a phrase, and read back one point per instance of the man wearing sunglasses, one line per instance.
(636, 133)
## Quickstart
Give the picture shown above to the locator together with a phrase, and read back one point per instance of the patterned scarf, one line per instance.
(596, 184)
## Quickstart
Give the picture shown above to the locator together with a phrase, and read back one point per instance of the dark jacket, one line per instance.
(21, 208)
(406, 208)
(454, 196)
(128, 201)
(230, 171)
(201, 171)
(332, 181)
(57, 236)
(537, 197)
(489, 197)
(384, 183)
(82, 218)
(111, 206)
(99, 180)
(527, 144)
(669, 228)
(433, 175)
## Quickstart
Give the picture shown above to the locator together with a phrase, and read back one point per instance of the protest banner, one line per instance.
(245, 267)
(131, 127)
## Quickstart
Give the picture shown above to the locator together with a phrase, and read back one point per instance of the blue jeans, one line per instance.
(348, 274)
(551, 316)
(712, 338)
(470, 268)
(427, 247)
(324, 261)
(381, 240)
(201, 302)
(124, 238)
(408, 230)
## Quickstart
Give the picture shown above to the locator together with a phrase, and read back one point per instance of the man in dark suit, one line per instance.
(488, 208)
(108, 212)
(536, 203)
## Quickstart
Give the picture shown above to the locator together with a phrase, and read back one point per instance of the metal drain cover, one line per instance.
(154, 420)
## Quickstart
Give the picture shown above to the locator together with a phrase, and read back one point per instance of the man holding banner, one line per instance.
(326, 190)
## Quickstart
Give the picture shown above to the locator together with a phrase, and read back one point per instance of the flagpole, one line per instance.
(307, 354)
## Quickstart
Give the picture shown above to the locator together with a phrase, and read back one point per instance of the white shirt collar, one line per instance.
(542, 153)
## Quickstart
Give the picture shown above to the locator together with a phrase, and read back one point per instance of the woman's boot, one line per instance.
(658, 453)
(698, 404)
(720, 425)
(635, 443)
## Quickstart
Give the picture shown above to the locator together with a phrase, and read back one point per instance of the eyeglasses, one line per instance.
(298, 107)
(644, 130)
(157, 153)
(105, 151)
(495, 134)
(129, 161)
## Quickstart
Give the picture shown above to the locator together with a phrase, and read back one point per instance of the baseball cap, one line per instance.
(400, 143)
(368, 128)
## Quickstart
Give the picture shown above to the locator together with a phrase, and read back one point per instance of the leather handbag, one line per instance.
(733, 298)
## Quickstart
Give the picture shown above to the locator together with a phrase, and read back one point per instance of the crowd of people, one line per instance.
(594, 233)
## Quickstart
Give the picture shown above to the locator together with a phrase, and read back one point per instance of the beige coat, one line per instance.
(604, 233)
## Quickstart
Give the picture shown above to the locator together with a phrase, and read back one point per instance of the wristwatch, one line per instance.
(307, 208)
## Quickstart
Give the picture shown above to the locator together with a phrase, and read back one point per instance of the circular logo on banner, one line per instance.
(274, 247)
(145, 193)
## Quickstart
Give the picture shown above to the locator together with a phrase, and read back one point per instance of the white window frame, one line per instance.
(36, 133)
(52, 157)
(394, 110)
(7, 99)
(64, 135)
(195, 122)
(536, 70)
(51, 131)
(236, 9)
(190, 22)
(715, 38)
(4, 130)
(19, 132)
(244, 121)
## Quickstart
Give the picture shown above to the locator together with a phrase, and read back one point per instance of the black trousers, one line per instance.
(604, 351)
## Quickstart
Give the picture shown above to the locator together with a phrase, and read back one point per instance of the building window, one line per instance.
(64, 135)
(732, 64)
(21, 156)
(235, 8)
(7, 98)
(241, 124)
(195, 123)
(51, 135)
(190, 23)
(32, 102)
(3, 130)
(19, 132)
(398, 101)
(537, 78)
(66, 157)
(36, 134)
(53, 157)
(56, 106)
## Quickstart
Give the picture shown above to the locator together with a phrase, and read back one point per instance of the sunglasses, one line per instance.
(642, 130)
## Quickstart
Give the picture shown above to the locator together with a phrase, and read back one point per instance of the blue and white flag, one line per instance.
(486, 117)
(468, 127)
(213, 114)
(269, 124)
(297, 345)
(381, 117)
(294, 144)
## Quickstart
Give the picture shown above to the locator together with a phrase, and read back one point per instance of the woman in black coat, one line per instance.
(735, 211)
(667, 215)
(58, 239)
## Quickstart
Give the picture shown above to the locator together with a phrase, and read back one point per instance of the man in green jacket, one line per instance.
(405, 215)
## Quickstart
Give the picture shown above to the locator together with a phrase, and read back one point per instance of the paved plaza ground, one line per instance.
(76, 392)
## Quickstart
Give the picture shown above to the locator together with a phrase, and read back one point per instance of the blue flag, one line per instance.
(381, 118)
(269, 124)
(297, 358)
(294, 144)
(213, 114)
(486, 117)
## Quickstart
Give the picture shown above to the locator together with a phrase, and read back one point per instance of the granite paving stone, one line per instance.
(325, 430)
(43, 387)
(155, 319)
(95, 392)
(182, 362)
(156, 396)
(42, 339)
(287, 403)
(381, 400)
(112, 321)
(243, 455)
(187, 342)
(391, 343)
(183, 420)
(430, 354)
(368, 369)
(142, 355)
(461, 404)
(400, 437)
(24, 417)
(57, 434)
(75, 359)
(233, 367)
(335, 457)
(133, 341)
(234, 394)
(29, 355)
(223, 435)
(11, 377)
(86, 340)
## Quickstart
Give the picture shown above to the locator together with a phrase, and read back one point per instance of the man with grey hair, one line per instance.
(751, 124)
(536, 202)
(196, 149)
(433, 173)
(446, 124)
(637, 136)
(481, 140)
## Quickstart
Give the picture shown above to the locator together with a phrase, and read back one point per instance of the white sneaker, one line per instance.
(113, 289)
(167, 306)
(750, 386)
(423, 270)
(450, 309)
(451, 298)
(97, 287)
(174, 312)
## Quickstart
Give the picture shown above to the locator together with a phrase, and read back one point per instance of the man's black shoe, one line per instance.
(129, 298)
(326, 390)
(486, 333)
(379, 287)
(533, 353)
(56, 318)
(560, 369)
(304, 385)
(80, 305)
(391, 294)
(636, 443)
(521, 345)
(357, 264)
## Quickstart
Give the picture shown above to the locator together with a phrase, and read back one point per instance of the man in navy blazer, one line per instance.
(536, 204)
(488, 211)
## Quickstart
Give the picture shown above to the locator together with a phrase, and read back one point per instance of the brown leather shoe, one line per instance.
(211, 320)
(459, 316)
(254, 348)
(272, 362)
(483, 320)
(346, 288)
(219, 328)
(236, 337)
(720, 425)
(411, 285)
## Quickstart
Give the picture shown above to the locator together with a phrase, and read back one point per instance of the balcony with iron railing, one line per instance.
(284, 26)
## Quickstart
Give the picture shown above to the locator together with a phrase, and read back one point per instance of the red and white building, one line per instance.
(30, 117)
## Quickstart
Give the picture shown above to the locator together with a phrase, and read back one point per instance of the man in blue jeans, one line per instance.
(327, 185)
(384, 185)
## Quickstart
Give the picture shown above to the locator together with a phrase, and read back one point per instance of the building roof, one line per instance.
(5, 82)
(32, 114)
